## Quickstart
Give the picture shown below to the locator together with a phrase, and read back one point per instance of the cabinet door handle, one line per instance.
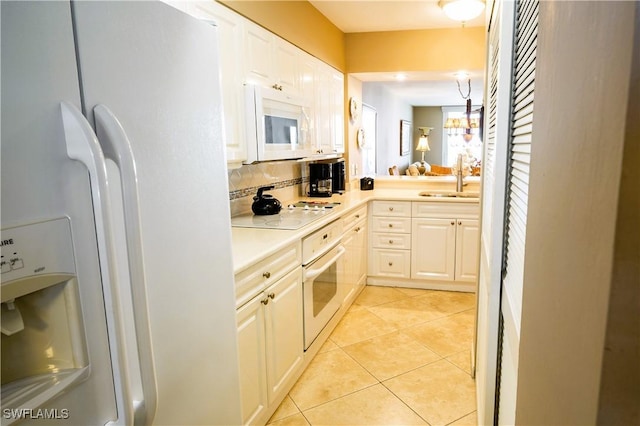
(271, 296)
(265, 301)
(357, 229)
(267, 274)
(460, 223)
(453, 222)
(357, 216)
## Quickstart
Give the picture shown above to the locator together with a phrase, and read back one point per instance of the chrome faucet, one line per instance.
(459, 181)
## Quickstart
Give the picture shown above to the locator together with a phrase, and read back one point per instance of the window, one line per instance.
(453, 142)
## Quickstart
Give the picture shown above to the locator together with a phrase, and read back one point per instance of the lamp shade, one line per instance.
(423, 144)
(461, 10)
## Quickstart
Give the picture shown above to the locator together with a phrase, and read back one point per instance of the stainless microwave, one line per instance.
(277, 125)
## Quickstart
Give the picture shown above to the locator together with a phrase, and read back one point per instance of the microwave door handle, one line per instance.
(260, 124)
(83, 146)
(312, 274)
(117, 147)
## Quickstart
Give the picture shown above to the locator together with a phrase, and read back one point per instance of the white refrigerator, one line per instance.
(117, 280)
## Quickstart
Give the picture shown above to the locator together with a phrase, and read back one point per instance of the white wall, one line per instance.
(353, 153)
(391, 110)
(620, 384)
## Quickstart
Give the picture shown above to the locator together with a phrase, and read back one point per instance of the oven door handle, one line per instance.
(311, 274)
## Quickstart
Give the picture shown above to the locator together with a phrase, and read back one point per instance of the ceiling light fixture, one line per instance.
(462, 10)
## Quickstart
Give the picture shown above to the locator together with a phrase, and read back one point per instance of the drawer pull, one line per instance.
(390, 209)
(357, 216)
(267, 275)
(357, 229)
(390, 263)
(391, 225)
(390, 241)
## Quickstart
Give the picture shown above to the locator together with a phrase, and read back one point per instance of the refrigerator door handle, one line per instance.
(83, 146)
(117, 148)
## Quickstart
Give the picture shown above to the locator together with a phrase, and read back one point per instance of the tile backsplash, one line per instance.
(286, 176)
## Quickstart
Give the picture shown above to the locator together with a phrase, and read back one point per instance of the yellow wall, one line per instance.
(418, 50)
(300, 23)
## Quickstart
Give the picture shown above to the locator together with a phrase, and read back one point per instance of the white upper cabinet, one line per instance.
(230, 31)
(250, 54)
(231, 27)
(329, 108)
(337, 111)
(271, 61)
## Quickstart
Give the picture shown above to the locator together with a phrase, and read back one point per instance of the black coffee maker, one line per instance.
(320, 181)
(338, 176)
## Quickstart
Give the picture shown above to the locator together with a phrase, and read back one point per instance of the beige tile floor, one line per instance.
(399, 357)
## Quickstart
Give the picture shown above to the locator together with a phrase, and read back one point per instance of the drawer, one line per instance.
(391, 224)
(438, 210)
(391, 241)
(391, 208)
(352, 217)
(317, 243)
(262, 274)
(391, 263)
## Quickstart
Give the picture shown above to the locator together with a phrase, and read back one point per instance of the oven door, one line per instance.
(320, 290)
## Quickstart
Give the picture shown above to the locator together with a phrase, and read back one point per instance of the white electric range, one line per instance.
(291, 217)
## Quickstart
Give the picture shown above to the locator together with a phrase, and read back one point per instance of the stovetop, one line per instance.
(291, 217)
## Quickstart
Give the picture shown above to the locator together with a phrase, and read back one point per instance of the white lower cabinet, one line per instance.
(424, 244)
(434, 249)
(284, 339)
(252, 356)
(390, 239)
(354, 241)
(270, 345)
(391, 263)
(467, 245)
(445, 242)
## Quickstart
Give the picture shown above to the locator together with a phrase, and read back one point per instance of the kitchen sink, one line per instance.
(449, 194)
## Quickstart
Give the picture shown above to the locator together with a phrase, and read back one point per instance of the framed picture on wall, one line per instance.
(405, 137)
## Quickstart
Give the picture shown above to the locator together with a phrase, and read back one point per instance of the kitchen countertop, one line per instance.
(250, 245)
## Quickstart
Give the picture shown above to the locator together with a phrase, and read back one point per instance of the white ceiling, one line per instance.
(419, 89)
(355, 16)
(429, 89)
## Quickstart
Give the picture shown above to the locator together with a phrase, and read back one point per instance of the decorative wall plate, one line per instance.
(353, 108)
(360, 138)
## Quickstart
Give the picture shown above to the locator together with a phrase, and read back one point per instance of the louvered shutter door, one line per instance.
(494, 168)
(526, 31)
(516, 200)
(489, 160)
